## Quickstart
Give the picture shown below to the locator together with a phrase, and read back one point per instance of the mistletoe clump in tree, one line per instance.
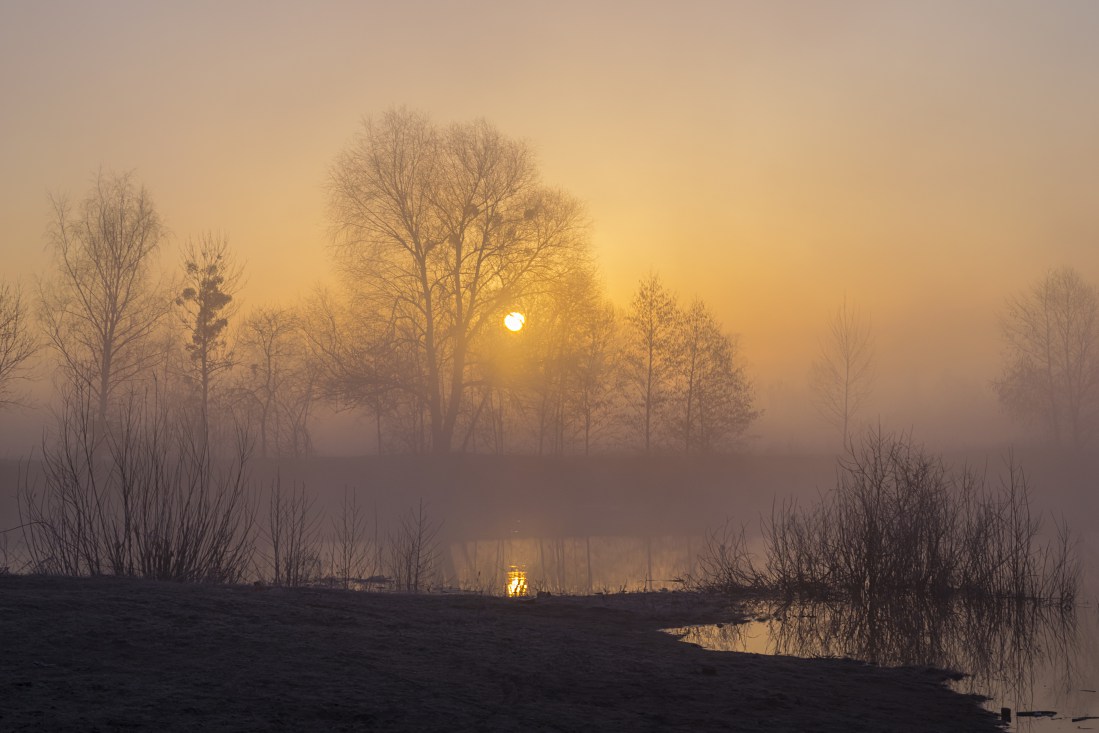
(206, 300)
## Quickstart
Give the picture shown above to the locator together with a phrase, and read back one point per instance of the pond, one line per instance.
(1028, 658)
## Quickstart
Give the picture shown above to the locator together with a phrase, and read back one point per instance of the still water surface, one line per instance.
(1022, 657)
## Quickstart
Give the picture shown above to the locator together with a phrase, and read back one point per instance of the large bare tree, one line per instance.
(17, 343)
(439, 230)
(1051, 365)
(103, 304)
(842, 376)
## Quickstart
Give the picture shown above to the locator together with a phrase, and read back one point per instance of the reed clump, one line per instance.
(899, 522)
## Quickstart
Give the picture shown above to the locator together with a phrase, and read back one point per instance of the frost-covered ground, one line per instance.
(113, 654)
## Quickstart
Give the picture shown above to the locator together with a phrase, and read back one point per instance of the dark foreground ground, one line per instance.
(111, 654)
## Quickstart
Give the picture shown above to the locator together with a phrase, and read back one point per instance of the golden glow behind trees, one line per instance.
(439, 229)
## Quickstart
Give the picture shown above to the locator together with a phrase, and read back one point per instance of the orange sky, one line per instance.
(926, 159)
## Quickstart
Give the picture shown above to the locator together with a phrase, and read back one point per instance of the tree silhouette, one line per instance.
(103, 306)
(17, 343)
(651, 354)
(276, 388)
(842, 376)
(1051, 362)
(438, 230)
(210, 279)
(715, 400)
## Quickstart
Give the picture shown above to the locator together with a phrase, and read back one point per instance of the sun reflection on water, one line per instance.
(517, 582)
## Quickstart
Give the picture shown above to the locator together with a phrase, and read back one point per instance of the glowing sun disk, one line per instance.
(514, 321)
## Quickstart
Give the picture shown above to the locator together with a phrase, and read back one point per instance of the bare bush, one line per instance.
(413, 549)
(351, 556)
(152, 504)
(725, 562)
(292, 528)
(898, 522)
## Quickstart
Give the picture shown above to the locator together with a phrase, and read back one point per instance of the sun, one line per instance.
(514, 321)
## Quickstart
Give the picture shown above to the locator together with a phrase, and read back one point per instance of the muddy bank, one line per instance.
(114, 654)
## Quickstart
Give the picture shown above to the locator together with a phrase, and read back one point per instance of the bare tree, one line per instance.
(595, 395)
(210, 280)
(17, 343)
(351, 549)
(275, 390)
(1051, 363)
(103, 306)
(651, 355)
(413, 547)
(713, 395)
(439, 231)
(545, 368)
(293, 535)
(842, 376)
(357, 360)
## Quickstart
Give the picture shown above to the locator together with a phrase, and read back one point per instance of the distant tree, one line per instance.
(714, 398)
(842, 376)
(357, 357)
(17, 343)
(651, 354)
(277, 387)
(561, 321)
(438, 231)
(103, 305)
(1051, 362)
(210, 280)
(597, 366)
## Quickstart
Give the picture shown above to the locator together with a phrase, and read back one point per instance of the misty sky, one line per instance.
(925, 158)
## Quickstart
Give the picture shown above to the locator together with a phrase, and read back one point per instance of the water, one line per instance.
(1024, 658)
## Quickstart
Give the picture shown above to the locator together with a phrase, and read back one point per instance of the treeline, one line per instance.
(438, 233)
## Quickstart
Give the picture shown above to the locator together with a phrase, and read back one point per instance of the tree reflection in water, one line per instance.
(1005, 648)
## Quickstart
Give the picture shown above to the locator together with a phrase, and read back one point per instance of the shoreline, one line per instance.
(116, 653)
